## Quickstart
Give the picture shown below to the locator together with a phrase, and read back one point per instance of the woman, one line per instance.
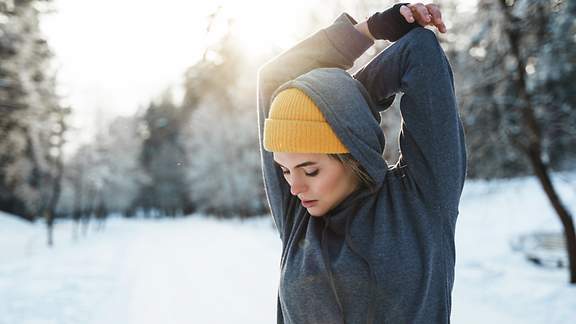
(363, 242)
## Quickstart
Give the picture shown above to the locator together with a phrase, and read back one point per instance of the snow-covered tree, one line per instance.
(106, 174)
(32, 120)
(220, 136)
(163, 159)
(224, 170)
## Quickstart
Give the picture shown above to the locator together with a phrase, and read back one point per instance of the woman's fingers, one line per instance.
(434, 10)
(407, 13)
(420, 13)
(423, 14)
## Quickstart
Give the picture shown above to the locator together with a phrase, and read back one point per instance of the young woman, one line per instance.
(363, 242)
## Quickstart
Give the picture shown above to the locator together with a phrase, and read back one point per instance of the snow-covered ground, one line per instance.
(201, 270)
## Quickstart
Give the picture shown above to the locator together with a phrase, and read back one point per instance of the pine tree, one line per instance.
(32, 120)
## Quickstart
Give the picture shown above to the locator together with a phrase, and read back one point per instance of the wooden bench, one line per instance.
(547, 249)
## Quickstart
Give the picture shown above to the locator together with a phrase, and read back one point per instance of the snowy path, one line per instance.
(61, 285)
(201, 271)
(193, 270)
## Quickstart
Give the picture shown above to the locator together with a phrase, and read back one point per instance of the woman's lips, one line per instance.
(308, 203)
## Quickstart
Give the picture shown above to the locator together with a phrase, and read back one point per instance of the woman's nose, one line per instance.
(297, 186)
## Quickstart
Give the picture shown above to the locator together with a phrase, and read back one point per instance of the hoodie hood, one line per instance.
(350, 111)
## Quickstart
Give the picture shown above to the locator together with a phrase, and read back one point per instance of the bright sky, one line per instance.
(114, 56)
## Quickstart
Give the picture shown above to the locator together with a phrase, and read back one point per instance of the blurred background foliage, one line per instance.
(514, 65)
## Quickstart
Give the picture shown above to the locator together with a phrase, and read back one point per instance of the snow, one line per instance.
(202, 270)
(493, 284)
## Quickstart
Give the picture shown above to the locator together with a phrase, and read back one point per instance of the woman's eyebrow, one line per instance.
(303, 164)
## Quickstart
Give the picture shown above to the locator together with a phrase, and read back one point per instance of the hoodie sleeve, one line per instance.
(431, 139)
(337, 45)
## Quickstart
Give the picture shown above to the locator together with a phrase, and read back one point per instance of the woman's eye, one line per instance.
(313, 174)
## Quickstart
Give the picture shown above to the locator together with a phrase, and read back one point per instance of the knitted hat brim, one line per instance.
(298, 136)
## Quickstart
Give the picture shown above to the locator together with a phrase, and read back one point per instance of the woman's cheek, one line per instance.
(326, 184)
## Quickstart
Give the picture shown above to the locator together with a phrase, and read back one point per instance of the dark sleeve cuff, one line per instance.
(390, 24)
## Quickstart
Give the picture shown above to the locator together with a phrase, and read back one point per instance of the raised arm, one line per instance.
(432, 140)
(337, 45)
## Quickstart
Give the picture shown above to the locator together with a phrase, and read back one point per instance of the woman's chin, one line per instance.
(314, 211)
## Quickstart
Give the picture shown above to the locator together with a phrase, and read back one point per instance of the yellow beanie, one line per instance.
(295, 124)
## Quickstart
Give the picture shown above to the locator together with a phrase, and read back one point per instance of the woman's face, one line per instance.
(318, 178)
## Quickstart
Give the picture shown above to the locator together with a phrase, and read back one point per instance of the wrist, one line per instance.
(363, 28)
(389, 24)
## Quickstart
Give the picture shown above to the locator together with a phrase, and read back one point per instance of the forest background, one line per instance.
(192, 146)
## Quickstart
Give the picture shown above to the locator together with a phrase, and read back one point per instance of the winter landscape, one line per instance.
(201, 270)
(131, 184)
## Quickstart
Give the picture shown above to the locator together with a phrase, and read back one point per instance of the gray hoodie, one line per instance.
(385, 255)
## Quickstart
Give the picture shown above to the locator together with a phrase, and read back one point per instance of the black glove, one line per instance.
(390, 24)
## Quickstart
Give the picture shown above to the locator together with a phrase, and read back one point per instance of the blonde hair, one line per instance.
(354, 165)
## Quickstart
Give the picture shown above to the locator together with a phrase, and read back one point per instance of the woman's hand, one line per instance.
(395, 22)
(423, 14)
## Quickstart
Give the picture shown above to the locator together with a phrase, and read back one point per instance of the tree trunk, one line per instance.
(49, 228)
(531, 144)
(541, 171)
